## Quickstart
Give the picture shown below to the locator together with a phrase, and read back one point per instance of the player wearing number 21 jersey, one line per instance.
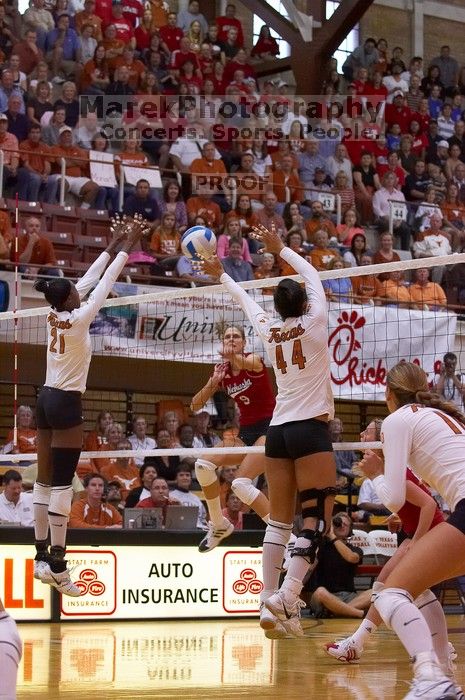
(296, 347)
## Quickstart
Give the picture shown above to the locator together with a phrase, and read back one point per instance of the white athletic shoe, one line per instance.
(423, 689)
(62, 582)
(287, 614)
(344, 650)
(270, 624)
(42, 571)
(215, 535)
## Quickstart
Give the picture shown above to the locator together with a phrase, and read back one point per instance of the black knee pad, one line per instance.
(309, 552)
(64, 463)
(317, 511)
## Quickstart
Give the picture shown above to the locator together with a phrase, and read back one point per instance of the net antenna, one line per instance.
(15, 334)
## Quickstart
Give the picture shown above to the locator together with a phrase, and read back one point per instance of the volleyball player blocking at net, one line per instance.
(245, 379)
(59, 409)
(298, 449)
(419, 514)
(428, 434)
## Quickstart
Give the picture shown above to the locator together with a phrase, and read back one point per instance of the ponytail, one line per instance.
(56, 291)
(432, 400)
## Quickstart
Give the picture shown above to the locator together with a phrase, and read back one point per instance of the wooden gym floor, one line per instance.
(210, 659)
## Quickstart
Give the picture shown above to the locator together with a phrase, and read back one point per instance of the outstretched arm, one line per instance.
(207, 391)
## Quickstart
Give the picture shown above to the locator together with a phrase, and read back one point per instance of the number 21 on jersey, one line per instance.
(57, 339)
(297, 358)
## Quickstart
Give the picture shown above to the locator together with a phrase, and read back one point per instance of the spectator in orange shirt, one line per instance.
(9, 147)
(165, 243)
(34, 249)
(96, 438)
(247, 217)
(35, 168)
(286, 185)
(294, 241)
(123, 470)
(113, 435)
(427, 293)
(394, 290)
(92, 511)
(265, 270)
(321, 255)
(135, 67)
(77, 180)
(88, 16)
(28, 51)
(366, 287)
(207, 165)
(319, 221)
(26, 439)
(204, 206)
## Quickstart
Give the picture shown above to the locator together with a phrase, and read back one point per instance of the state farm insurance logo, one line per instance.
(94, 572)
(89, 583)
(242, 582)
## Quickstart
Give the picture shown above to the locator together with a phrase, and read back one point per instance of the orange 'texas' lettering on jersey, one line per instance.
(55, 323)
(292, 334)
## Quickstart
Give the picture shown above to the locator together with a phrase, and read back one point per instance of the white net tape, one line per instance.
(403, 265)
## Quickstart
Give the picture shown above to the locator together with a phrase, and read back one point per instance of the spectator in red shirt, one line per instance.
(266, 46)
(103, 10)
(124, 31)
(132, 11)
(171, 34)
(393, 165)
(228, 20)
(398, 113)
(159, 497)
(183, 54)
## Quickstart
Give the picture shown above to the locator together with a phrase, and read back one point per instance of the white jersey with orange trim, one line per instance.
(69, 348)
(432, 443)
(297, 347)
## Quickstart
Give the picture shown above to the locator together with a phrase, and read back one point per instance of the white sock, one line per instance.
(10, 656)
(297, 571)
(58, 529)
(40, 502)
(274, 544)
(432, 611)
(205, 472)
(364, 630)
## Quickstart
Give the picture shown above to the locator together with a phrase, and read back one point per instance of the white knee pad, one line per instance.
(60, 500)
(41, 494)
(277, 533)
(389, 600)
(425, 598)
(205, 472)
(376, 588)
(245, 490)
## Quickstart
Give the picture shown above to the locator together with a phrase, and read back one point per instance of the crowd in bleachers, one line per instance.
(413, 152)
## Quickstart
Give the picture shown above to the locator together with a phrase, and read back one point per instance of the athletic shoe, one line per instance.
(42, 571)
(287, 614)
(424, 689)
(344, 650)
(62, 582)
(215, 535)
(288, 551)
(270, 624)
(459, 692)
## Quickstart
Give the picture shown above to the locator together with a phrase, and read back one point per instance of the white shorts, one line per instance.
(76, 184)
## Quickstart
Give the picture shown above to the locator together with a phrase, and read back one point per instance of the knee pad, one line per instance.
(318, 510)
(60, 500)
(389, 600)
(425, 598)
(245, 490)
(376, 588)
(41, 494)
(309, 551)
(64, 464)
(205, 472)
(277, 533)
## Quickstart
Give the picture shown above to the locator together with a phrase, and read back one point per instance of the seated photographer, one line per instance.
(333, 579)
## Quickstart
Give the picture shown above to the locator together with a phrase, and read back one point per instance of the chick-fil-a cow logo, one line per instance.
(343, 343)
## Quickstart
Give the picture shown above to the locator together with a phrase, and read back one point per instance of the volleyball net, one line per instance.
(378, 316)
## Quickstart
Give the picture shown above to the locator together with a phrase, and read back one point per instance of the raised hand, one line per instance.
(270, 237)
(219, 372)
(212, 266)
(119, 227)
(137, 228)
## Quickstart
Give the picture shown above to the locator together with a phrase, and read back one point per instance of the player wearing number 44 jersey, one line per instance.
(298, 449)
(59, 412)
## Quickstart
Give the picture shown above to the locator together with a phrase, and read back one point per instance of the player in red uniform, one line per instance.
(419, 514)
(244, 377)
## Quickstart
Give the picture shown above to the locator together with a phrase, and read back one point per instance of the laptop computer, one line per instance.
(181, 518)
(143, 518)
